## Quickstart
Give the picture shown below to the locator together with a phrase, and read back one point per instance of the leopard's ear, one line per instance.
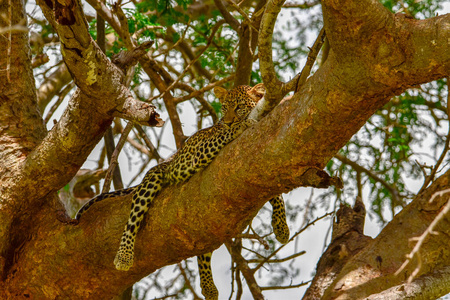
(220, 93)
(257, 92)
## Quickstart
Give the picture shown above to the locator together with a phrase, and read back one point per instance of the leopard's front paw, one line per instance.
(250, 122)
(124, 259)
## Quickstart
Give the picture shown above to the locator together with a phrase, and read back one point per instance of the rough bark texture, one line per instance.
(374, 56)
(34, 164)
(346, 241)
(372, 270)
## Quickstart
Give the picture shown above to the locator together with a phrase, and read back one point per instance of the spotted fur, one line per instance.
(209, 289)
(196, 153)
(279, 225)
(101, 197)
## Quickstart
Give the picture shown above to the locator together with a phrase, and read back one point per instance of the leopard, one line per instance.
(197, 153)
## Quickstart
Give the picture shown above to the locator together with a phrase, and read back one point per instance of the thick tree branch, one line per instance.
(272, 83)
(64, 149)
(69, 142)
(139, 112)
(346, 241)
(21, 126)
(399, 50)
(372, 269)
(430, 286)
(300, 135)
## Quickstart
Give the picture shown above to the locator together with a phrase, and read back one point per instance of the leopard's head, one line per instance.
(238, 102)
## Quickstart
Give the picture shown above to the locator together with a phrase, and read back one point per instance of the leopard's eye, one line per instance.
(240, 111)
(224, 107)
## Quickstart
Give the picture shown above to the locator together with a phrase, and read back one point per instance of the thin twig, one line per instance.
(149, 143)
(61, 97)
(293, 237)
(204, 89)
(430, 178)
(188, 282)
(234, 248)
(421, 239)
(165, 297)
(227, 16)
(260, 239)
(172, 85)
(225, 61)
(279, 260)
(138, 146)
(113, 163)
(176, 43)
(253, 251)
(233, 269)
(393, 191)
(139, 173)
(300, 79)
(243, 13)
(267, 288)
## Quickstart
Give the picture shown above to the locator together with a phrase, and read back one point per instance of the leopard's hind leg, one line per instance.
(281, 230)
(209, 289)
(279, 225)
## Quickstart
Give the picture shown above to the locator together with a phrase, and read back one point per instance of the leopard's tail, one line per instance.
(101, 197)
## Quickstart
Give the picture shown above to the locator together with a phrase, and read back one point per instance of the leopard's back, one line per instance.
(201, 148)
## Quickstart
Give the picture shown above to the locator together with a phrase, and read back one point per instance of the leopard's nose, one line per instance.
(229, 117)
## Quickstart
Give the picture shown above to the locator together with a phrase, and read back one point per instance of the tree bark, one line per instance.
(374, 56)
(371, 270)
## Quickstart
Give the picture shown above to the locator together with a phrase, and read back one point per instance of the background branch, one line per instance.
(270, 79)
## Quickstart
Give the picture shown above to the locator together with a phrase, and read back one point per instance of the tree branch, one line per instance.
(249, 32)
(372, 269)
(390, 48)
(429, 286)
(227, 16)
(235, 251)
(300, 79)
(105, 93)
(271, 82)
(393, 191)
